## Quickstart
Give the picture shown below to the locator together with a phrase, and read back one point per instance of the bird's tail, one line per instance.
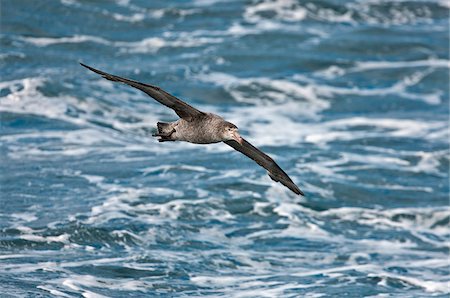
(164, 128)
(165, 131)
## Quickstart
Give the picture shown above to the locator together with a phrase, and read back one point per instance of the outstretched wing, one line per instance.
(274, 170)
(182, 109)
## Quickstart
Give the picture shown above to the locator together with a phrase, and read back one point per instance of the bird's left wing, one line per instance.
(265, 161)
(181, 108)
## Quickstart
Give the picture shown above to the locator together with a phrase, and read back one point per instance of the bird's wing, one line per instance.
(274, 170)
(182, 109)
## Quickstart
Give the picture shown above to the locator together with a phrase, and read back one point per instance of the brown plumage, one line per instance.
(198, 127)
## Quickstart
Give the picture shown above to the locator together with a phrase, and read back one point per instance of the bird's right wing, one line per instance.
(182, 109)
(265, 161)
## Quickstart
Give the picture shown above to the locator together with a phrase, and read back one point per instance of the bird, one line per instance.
(195, 126)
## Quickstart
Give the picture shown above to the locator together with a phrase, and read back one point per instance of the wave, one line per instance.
(369, 65)
(283, 10)
(276, 109)
(335, 71)
(153, 44)
(269, 91)
(46, 41)
(354, 13)
(399, 89)
(386, 127)
(134, 18)
(146, 45)
(409, 249)
(99, 208)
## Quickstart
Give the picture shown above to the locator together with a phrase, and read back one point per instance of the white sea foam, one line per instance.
(258, 269)
(278, 98)
(208, 2)
(369, 12)
(93, 178)
(329, 15)
(153, 44)
(334, 71)
(118, 203)
(69, 2)
(337, 130)
(12, 54)
(276, 119)
(285, 10)
(166, 168)
(146, 45)
(46, 41)
(428, 285)
(374, 13)
(419, 219)
(444, 3)
(30, 234)
(134, 18)
(76, 142)
(429, 162)
(25, 97)
(248, 286)
(24, 216)
(85, 280)
(238, 29)
(369, 65)
(13, 256)
(398, 89)
(53, 291)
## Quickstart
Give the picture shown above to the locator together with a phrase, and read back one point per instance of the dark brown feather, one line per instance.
(182, 109)
(265, 161)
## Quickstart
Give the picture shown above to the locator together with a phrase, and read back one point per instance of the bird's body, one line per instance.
(198, 127)
(200, 130)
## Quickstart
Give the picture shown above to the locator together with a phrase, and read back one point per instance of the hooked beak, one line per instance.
(237, 137)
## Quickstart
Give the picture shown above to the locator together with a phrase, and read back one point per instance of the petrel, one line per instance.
(199, 127)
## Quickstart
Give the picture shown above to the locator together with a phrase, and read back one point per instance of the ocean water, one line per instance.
(351, 98)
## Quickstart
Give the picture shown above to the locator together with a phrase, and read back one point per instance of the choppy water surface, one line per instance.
(350, 97)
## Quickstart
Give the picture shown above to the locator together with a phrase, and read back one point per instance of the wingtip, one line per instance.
(298, 191)
(87, 66)
(103, 74)
(288, 183)
(294, 188)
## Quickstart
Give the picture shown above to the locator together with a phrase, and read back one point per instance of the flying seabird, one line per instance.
(198, 127)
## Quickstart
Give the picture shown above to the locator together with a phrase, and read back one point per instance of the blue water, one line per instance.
(350, 97)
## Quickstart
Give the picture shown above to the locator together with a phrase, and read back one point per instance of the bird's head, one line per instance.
(231, 132)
